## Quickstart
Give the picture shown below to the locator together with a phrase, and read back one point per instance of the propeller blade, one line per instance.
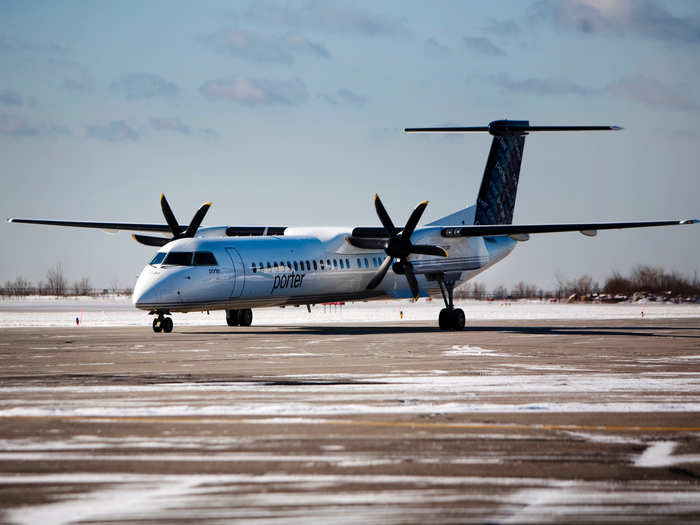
(413, 220)
(197, 220)
(411, 277)
(380, 274)
(384, 216)
(150, 241)
(366, 243)
(427, 249)
(169, 216)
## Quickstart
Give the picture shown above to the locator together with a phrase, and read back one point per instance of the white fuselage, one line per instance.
(305, 266)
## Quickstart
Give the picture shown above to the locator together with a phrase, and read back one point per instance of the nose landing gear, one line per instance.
(162, 323)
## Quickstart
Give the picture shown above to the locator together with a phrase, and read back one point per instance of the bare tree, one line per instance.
(500, 292)
(82, 287)
(114, 285)
(56, 280)
(478, 291)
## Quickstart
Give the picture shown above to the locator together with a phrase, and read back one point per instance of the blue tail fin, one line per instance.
(499, 186)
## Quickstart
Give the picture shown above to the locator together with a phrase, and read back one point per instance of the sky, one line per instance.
(291, 113)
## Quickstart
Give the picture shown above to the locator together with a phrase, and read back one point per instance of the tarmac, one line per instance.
(506, 422)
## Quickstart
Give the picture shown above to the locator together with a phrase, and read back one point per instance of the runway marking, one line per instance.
(359, 423)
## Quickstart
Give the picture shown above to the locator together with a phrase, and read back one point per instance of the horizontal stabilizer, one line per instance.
(493, 230)
(510, 127)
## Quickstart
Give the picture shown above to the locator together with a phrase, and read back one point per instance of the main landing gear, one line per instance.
(162, 323)
(450, 318)
(239, 317)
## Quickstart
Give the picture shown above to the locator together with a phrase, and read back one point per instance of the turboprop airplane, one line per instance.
(236, 268)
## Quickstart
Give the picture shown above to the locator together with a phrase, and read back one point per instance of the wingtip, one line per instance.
(690, 221)
(10, 219)
(133, 236)
(207, 204)
(447, 255)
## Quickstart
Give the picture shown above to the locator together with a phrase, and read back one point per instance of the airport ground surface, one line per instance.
(506, 422)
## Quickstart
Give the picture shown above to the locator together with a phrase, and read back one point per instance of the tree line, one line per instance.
(650, 282)
(56, 284)
(643, 281)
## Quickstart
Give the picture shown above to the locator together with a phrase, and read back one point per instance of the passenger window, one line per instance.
(289, 266)
(335, 263)
(315, 265)
(276, 267)
(296, 266)
(179, 259)
(359, 263)
(322, 267)
(328, 264)
(347, 263)
(308, 266)
(269, 267)
(252, 267)
(366, 263)
(342, 266)
(262, 267)
(158, 258)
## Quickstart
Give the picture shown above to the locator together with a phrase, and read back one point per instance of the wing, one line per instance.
(522, 231)
(107, 226)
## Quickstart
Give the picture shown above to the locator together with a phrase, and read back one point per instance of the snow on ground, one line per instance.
(118, 311)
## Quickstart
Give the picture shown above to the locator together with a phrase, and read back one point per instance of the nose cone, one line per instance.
(146, 293)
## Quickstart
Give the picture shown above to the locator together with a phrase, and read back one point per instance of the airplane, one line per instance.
(238, 268)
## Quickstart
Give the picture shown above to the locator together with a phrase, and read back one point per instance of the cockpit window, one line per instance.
(179, 259)
(204, 259)
(158, 258)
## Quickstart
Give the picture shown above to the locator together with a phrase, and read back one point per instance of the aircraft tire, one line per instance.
(458, 319)
(444, 319)
(167, 325)
(156, 325)
(232, 318)
(245, 317)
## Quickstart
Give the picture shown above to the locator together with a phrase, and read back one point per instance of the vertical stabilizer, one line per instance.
(499, 185)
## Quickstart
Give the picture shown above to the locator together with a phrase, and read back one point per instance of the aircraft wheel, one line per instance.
(458, 319)
(232, 317)
(156, 325)
(245, 317)
(167, 325)
(444, 320)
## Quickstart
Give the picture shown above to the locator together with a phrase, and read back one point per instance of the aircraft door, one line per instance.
(238, 273)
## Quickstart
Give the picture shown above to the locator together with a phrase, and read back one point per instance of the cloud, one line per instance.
(114, 131)
(140, 86)
(257, 48)
(650, 92)
(508, 27)
(57, 129)
(14, 45)
(76, 85)
(10, 98)
(325, 15)
(617, 17)
(434, 48)
(256, 92)
(483, 46)
(542, 86)
(345, 96)
(170, 124)
(16, 126)
(209, 134)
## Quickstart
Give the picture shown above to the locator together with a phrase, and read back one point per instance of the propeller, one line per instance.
(175, 228)
(397, 246)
